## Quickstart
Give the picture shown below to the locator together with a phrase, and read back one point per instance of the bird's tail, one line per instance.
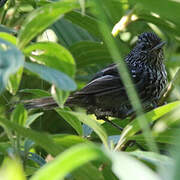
(46, 103)
(40, 103)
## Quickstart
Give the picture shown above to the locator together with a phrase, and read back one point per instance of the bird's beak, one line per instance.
(160, 45)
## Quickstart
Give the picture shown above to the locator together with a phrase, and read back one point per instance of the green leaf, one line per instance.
(59, 96)
(42, 139)
(14, 81)
(68, 33)
(11, 59)
(53, 76)
(32, 118)
(168, 6)
(151, 116)
(38, 93)
(12, 169)
(82, 117)
(158, 160)
(68, 140)
(86, 22)
(8, 37)
(52, 55)
(127, 168)
(87, 53)
(68, 161)
(71, 119)
(19, 115)
(88, 172)
(7, 29)
(43, 17)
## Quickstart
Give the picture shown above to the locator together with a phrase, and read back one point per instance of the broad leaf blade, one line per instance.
(53, 76)
(11, 59)
(68, 161)
(43, 17)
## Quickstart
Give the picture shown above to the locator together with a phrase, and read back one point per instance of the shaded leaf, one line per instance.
(41, 139)
(53, 76)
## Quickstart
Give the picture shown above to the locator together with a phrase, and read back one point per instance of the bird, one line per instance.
(105, 94)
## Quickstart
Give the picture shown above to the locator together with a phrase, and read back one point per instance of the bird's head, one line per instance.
(149, 48)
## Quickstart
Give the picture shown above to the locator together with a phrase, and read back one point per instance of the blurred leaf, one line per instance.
(8, 37)
(151, 116)
(43, 17)
(11, 59)
(82, 117)
(68, 33)
(88, 172)
(86, 53)
(86, 22)
(12, 169)
(168, 6)
(158, 160)
(38, 93)
(68, 140)
(59, 96)
(58, 78)
(7, 29)
(19, 115)
(127, 168)
(36, 158)
(32, 118)
(71, 119)
(174, 173)
(69, 160)
(52, 55)
(14, 81)
(42, 139)
(4, 146)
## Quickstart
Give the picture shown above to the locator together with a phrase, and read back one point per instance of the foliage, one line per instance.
(53, 47)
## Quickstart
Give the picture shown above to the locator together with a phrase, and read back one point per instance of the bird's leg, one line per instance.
(107, 120)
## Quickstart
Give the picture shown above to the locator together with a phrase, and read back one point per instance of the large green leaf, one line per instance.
(53, 76)
(68, 161)
(156, 160)
(52, 55)
(86, 22)
(68, 33)
(87, 53)
(127, 168)
(68, 140)
(151, 116)
(170, 10)
(19, 115)
(14, 80)
(72, 120)
(43, 17)
(82, 117)
(11, 59)
(12, 169)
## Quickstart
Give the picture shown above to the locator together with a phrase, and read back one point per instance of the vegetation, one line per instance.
(41, 40)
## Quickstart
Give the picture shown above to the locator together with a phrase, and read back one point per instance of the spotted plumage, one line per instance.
(105, 95)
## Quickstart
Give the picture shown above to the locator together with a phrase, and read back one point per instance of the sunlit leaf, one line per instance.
(43, 17)
(68, 161)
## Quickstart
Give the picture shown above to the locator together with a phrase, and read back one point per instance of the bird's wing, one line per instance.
(108, 81)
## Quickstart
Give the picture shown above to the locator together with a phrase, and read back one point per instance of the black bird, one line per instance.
(105, 95)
